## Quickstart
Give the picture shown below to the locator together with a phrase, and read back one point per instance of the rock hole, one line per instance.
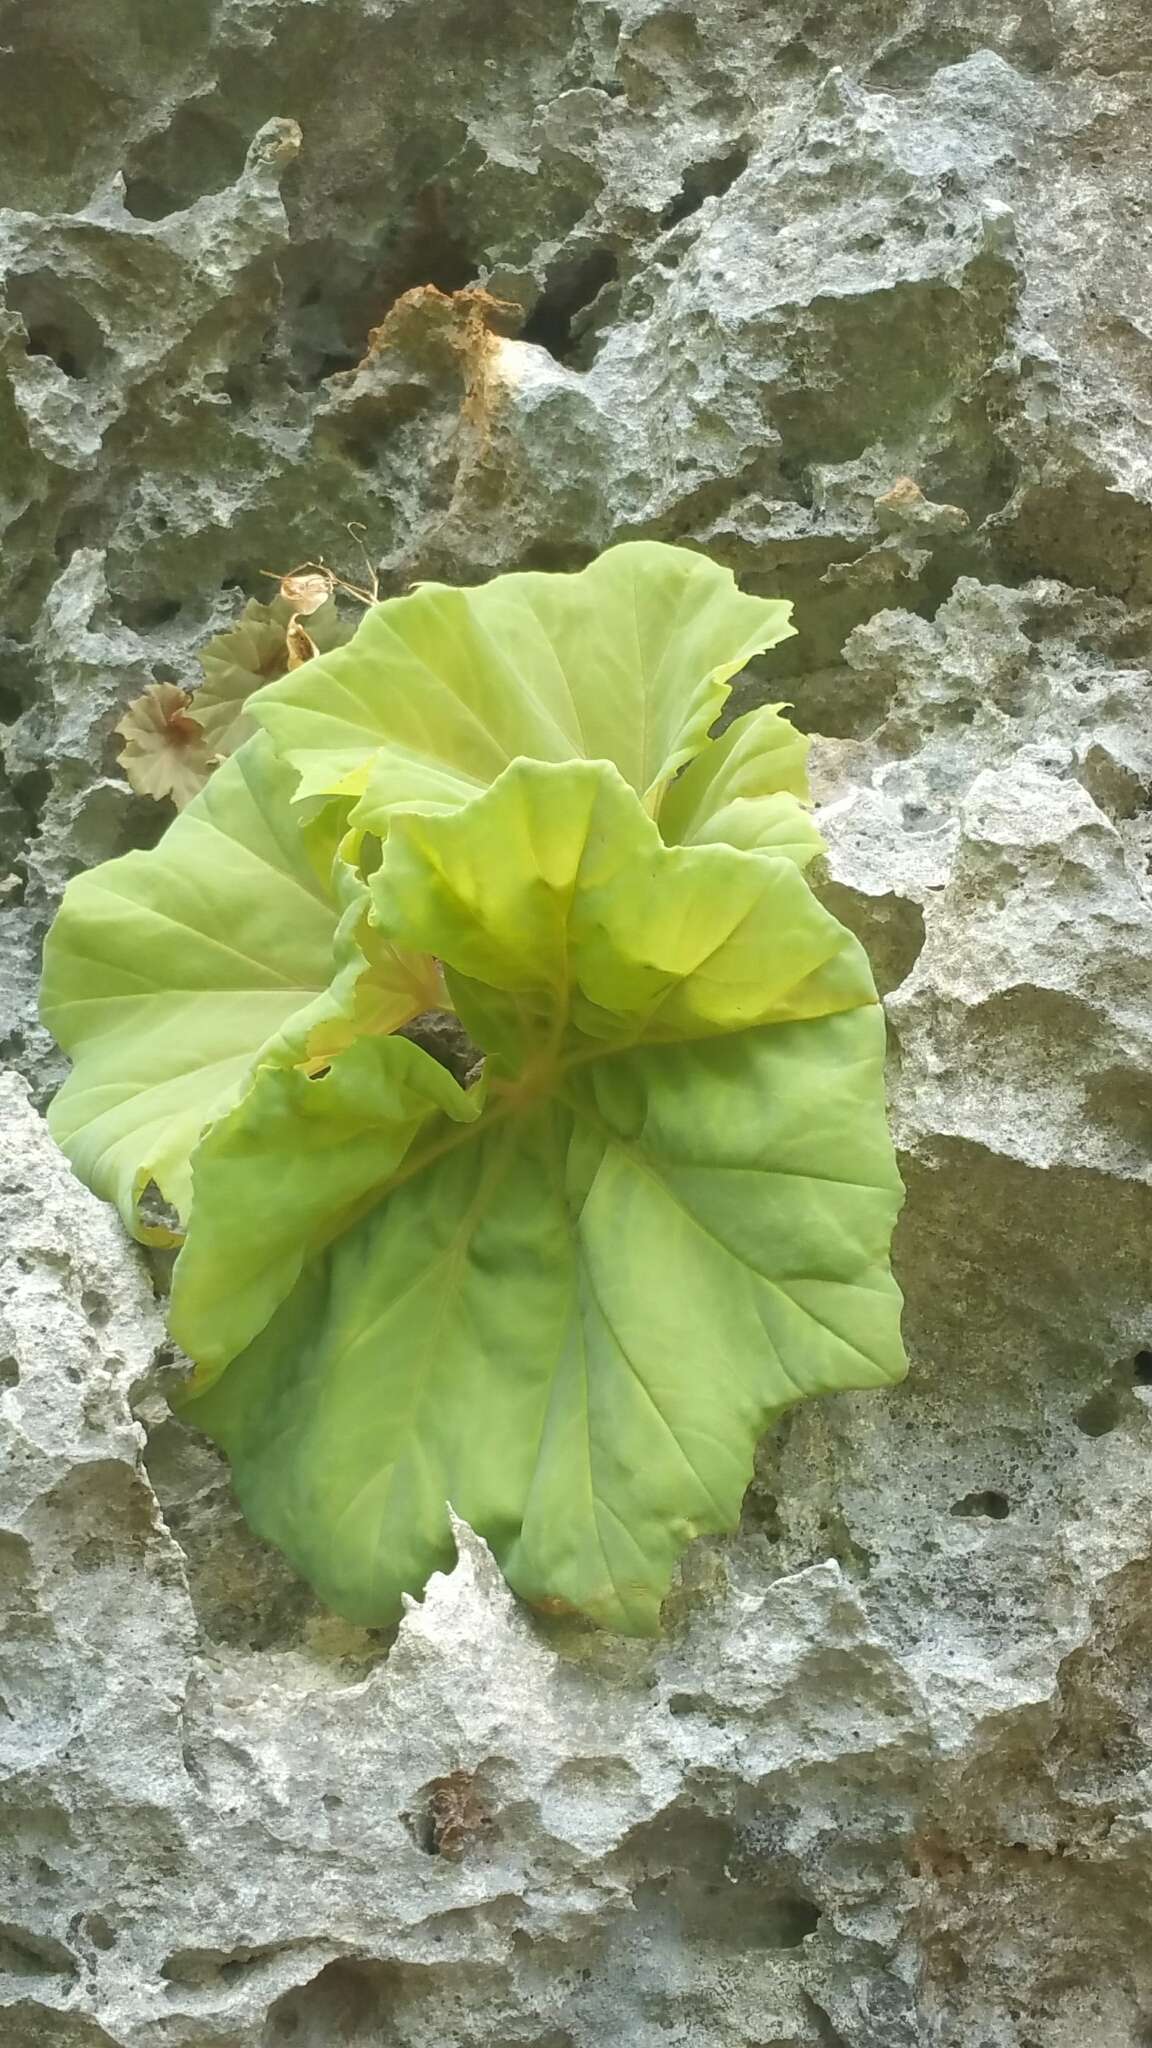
(18, 689)
(9, 1373)
(761, 1512)
(1142, 1369)
(96, 1307)
(334, 299)
(1101, 1413)
(891, 928)
(195, 154)
(796, 476)
(82, 527)
(238, 386)
(917, 59)
(364, 440)
(570, 290)
(333, 362)
(552, 555)
(789, 1921)
(26, 1954)
(708, 180)
(452, 1816)
(795, 59)
(143, 615)
(202, 1968)
(352, 2003)
(32, 792)
(56, 324)
(995, 1507)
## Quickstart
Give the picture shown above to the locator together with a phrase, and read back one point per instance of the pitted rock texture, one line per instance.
(856, 299)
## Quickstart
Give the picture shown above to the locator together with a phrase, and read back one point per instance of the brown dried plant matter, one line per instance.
(166, 752)
(464, 329)
(456, 1815)
(175, 737)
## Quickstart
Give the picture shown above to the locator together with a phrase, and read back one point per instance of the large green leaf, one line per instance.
(286, 1172)
(567, 1296)
(627, 661)
(168, 974)
(572, 1314)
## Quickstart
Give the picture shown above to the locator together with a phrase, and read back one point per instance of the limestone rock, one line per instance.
(856, 299)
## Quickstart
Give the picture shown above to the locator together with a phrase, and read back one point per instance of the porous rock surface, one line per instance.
(856, 299)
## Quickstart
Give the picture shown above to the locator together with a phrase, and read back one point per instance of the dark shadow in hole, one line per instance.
(918, 58)
(334, 298)
(1101, 1413)
(890, 927)
(202, 1969)
(349, 2002)
(144, 614)
(568, 292)
(31, 792)
(995, 1507)
(58, 326)
(96, 1307)
(1142, 1369)
(705, 181)
(708, 1887)
(795, 58)
(81, 527)
(238, 386)
(99, 1931)
(195, 154)
(25, 1953)
(564, 556)
(797, 475)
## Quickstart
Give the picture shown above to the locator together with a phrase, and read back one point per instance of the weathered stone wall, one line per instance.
(887, 1780)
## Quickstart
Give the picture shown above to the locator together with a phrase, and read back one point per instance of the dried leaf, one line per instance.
(306, 591)
(165, 753)
(250, 654)
(301, 646)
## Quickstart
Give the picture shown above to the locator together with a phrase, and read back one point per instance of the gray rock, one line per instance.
(857, 300)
